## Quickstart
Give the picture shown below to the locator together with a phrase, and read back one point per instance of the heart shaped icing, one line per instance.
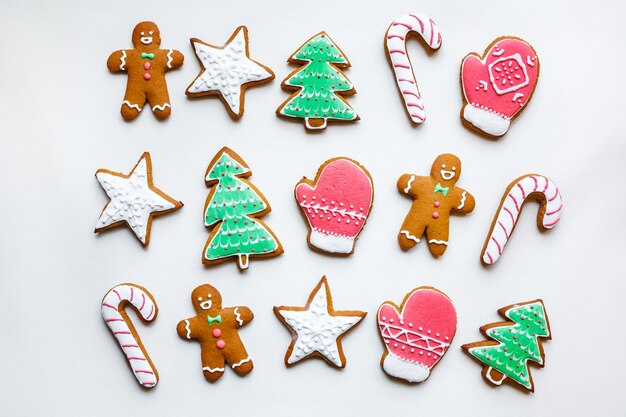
(416, 334)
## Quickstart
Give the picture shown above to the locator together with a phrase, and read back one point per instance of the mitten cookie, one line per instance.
(435, 197)
(317, 328)
(216, 328)
(498, 85)
(146, 65)
(336, 205)
(228, 71)
(515, 342)
(233, 208)
(320, 85)
(134, 199)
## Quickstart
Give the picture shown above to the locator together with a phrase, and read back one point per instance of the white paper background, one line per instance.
(59, 123)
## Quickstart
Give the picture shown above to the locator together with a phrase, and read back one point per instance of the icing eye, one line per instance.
(142, 33)
(209, 295)
(150, 32)
(199, 298)
(453, 168)
(443, 165)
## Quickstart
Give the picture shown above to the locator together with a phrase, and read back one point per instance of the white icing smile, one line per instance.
(146, 40)
(206, 305)
(447, 175)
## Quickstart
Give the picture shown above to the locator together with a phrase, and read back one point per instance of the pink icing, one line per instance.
(504, 81)
(217, 332)
(426, 324)
(146, 66)
(340, 201)
(436, 203)
(147, 76)
(435, 215)
(220, 344)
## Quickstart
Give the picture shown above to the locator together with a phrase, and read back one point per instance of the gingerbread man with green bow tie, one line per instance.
(146, 65)
(216, 330)
(434, 198)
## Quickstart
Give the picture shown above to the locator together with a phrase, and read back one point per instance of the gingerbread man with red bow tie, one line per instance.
(146, 65)
(435, 197)
(216, 330)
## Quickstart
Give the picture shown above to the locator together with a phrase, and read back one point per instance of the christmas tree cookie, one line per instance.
(516, 342)
(232, 209)
(320, 85)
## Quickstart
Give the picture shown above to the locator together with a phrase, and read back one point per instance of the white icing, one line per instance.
(498, 52)
(438, 242)
(137, 357)
(410, 371)
(408, 185)
(227, 69)
(516, 96)
(316, 329)
(508, 212)
(169, 58)
(409, 236)
(132, 200)
(529, 61)
(463, 198)
(395, 46)
(496, 86)
(241, 362)
(146, 40)
(161, 107)
(211, 370)
(123, 61)
(486, 120)
(447, 175)
(238, 317)
(309, 126)
(331, 243)
(488, 376)
(187, 329)
(132, 106)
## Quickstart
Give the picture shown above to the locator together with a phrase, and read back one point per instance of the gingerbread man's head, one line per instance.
(146, 35)
(446, 169)
(206, 299)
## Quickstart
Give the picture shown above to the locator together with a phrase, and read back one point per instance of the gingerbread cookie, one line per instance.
(517, 341)
(498, 85)
(435, 197)
(115, 317)
(417, 334)
(146, 65)
(336, 205)
(320, 85)
(395, 48)
(216, 328)
(228, 71)
(233, 208)
(134, 199)
(527, 187)
(317, 328)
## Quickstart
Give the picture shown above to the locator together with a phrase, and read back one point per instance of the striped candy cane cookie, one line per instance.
(120, 324)
(531, 186)
(395, 48)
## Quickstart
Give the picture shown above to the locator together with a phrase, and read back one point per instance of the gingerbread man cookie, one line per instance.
(435, 197)
(146, 65)
(216, 330)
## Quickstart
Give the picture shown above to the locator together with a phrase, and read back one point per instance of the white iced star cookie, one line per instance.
(317, 328)
(134, 199)
(228, 71)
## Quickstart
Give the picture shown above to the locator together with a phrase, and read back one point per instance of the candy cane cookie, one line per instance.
(121, 326)
(395, 48)
(527, 187)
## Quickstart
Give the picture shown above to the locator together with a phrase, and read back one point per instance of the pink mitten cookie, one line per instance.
(416, 334)
(497, 86)
(336, 205)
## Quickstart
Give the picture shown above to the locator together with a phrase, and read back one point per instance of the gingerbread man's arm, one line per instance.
(242, 315)
(188, 328)
(174, 59)
(464, 201)
(118, 61)
(411, 184)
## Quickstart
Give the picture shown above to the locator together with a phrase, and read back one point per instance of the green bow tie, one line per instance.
(442, 190)
(217, 319)
(145, 55)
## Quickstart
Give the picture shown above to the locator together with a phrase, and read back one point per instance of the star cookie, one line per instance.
(317, 328)
(133, 199)
(228, 71)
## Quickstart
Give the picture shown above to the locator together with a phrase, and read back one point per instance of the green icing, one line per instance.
(231, 204)
(319, 81)
(518, 343)
(217, 319)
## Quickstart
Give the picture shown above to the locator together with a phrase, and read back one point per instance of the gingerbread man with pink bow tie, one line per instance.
(435, 197)
(146, 65)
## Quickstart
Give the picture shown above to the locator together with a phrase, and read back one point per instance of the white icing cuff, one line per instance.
(331, 243)
(410, 371)
(486, 120)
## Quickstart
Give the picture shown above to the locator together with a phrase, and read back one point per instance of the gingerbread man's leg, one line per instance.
(237, 357)
(411, 232)
(132, 104)
(212, 363)
(437, 236)
(159, 101)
